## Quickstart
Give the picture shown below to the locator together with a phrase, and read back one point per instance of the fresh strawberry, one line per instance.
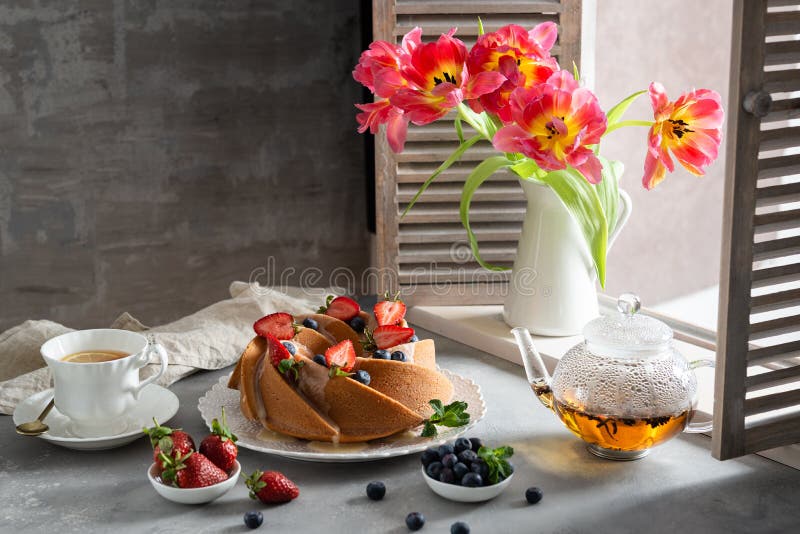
(281, 325)
(276, 350)
(390, 311)
(343, 308)
(342, 355)
(220, 446)
(271, 487)
(193, 470)
(390, 335)
(170, 442)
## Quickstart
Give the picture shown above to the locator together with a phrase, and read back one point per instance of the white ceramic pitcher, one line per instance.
(552, 290)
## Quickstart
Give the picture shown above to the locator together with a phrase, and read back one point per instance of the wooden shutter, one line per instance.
(426, 253)
(757, 403)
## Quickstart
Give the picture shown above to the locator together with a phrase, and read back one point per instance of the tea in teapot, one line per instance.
(625, 389)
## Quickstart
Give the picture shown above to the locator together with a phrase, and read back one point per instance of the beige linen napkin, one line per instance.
(211, 338)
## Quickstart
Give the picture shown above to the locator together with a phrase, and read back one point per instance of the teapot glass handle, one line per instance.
(704, 426)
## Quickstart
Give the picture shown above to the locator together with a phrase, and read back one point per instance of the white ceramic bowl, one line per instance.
(455, 492)
(193, 495)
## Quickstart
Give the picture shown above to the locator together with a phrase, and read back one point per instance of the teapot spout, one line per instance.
(535, 370)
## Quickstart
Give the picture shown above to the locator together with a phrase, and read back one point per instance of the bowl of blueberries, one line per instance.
(467, 471)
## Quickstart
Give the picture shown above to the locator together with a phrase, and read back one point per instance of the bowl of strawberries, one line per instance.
(186, 475)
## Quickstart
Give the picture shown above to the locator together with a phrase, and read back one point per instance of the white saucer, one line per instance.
(155, 401)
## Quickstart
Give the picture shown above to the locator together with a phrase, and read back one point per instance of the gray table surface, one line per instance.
(678, 488)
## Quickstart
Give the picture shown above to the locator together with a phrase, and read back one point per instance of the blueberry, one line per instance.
(459, 470)
(446, 449)
(472, 480)
(361, 377)
(462, 444)
(480, 468)
(459, 528)
(447, 476)
(253, 519)
(413, 339)
(376, 490)
(290, 347)
(476, 444)
(399, 356)
(415, 521)
(449, 460)
(468, 456)
(308, 322)
(357, 324)
(320, 359)
(434, 469)
(533, 495)
(381, 354)
(429, 456)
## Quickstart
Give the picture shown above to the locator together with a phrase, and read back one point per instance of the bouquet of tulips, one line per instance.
(544, 125)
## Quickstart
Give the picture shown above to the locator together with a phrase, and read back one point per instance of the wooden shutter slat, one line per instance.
(780, 138)
(760, 436)
(444, 252)
(502, 191)
(776, 248)
(783, 110)
(775, 401)
(452, 232)
(425, 214)
(782, 53)
(774, 327)
(764, 355)
(438, 152)
(775, 301)
(773, 378)
(782, 23)
(771, 276)
(434, 24)
(449, 273)
(778, 220)
(459, 6)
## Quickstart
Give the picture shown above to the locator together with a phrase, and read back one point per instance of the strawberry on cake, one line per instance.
(339, 375)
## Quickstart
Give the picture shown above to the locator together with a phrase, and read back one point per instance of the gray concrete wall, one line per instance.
(671, 245)
(150, 152)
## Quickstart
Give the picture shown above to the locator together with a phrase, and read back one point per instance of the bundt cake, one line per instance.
(339, 375)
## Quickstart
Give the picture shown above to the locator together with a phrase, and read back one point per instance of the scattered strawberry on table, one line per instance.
(271, 487)
(220, 445)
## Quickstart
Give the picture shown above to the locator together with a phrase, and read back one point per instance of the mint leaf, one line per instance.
(290, 365)
(429, 430)
(499, 468)
(452, 415)
(337, 371)
(437, 406)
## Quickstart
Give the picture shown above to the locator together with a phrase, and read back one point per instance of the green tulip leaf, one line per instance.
(480, 174)
(583, 202)
(608, 191)
(454, 157)
(615, 114)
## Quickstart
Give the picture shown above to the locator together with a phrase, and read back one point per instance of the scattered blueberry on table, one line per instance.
(415, 521)
(376, 490)
(253, 519)
(459, 527)
(533, 495)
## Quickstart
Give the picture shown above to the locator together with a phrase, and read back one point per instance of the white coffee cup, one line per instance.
(95, 396)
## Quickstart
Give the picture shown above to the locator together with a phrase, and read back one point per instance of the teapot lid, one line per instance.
(627, 331)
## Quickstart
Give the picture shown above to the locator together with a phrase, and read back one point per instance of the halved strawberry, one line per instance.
(343, 308)
(276, 351)
(390, 335)
(389, 312)
(342, 355)
(280, 325)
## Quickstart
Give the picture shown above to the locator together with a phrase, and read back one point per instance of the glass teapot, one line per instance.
(624, 389)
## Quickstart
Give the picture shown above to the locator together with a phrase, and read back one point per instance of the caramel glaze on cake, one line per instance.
(339, 409)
